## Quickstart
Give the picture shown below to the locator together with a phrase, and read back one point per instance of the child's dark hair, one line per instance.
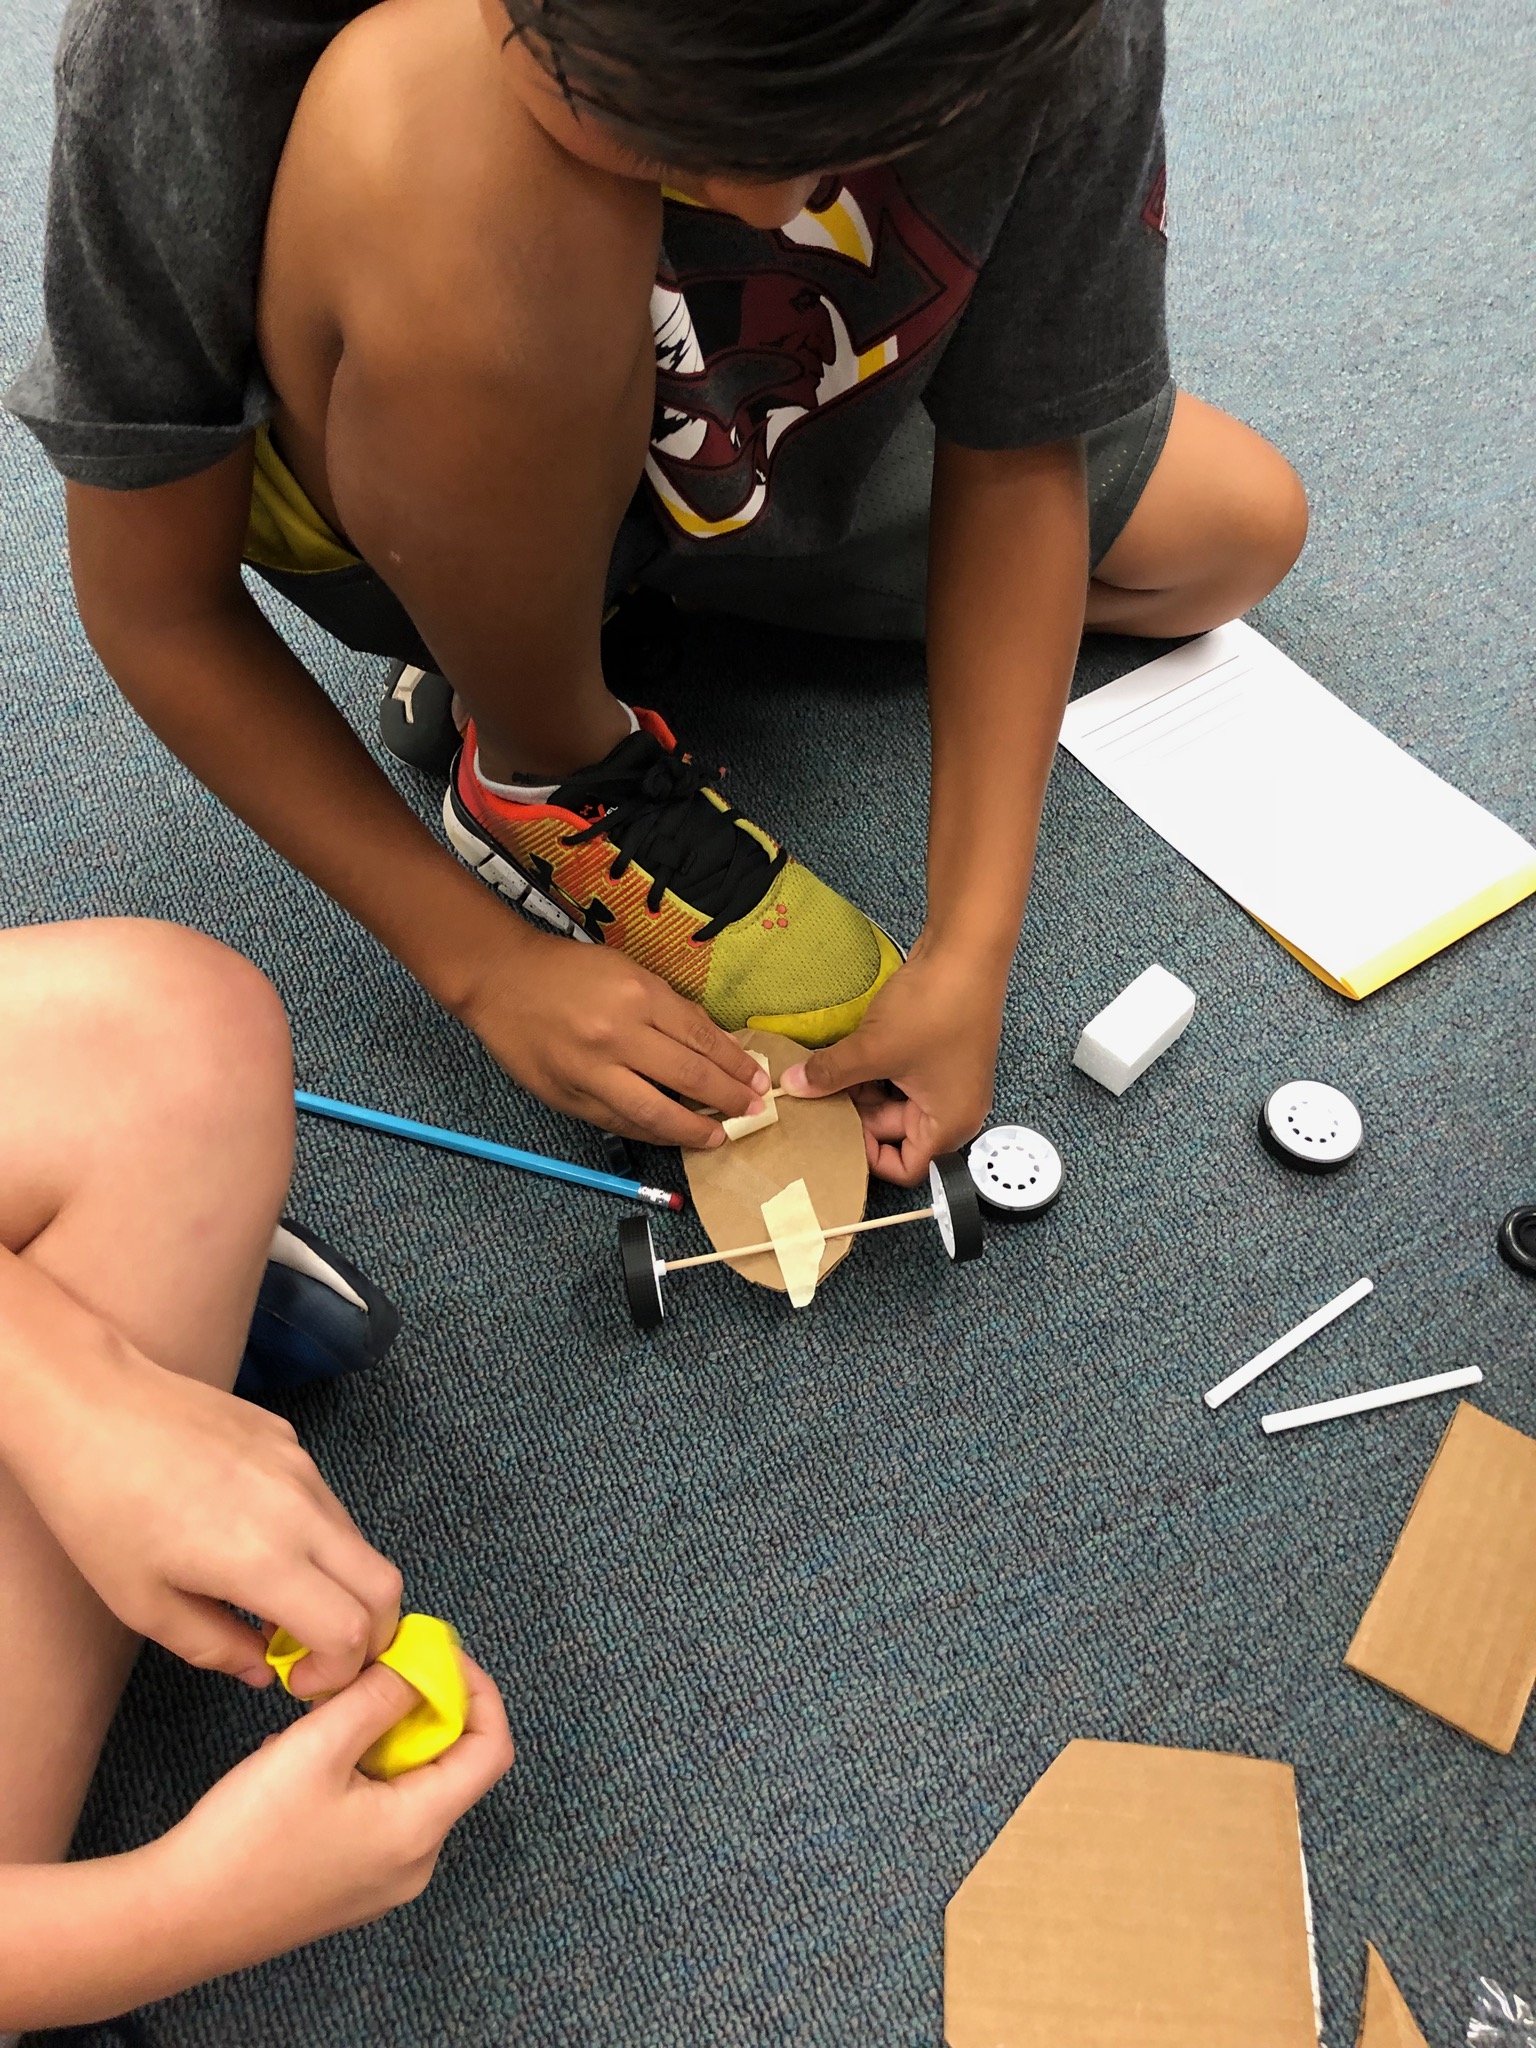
(781, 88)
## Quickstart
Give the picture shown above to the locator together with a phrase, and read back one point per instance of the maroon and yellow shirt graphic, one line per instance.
(858, 283)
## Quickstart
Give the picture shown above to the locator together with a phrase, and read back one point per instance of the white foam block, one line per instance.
(1123, 1040)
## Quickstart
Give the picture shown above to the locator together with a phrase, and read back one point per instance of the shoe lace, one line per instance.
(655, 812)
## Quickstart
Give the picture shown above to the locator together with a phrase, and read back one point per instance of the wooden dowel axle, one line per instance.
(748, 1251)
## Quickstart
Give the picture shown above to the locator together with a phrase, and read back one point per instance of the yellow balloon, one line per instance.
(425, 1652)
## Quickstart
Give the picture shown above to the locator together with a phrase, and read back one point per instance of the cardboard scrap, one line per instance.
(790, 1220)
(766, 1112)
(821, 1143)
(1138, 1898)
(1385, 2021)
(1452, 1626)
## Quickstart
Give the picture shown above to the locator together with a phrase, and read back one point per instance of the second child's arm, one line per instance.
(1007, 587)
(157, 579)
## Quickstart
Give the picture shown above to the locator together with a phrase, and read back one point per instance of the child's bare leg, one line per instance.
(145, 1141)
(460, 339)
(1220, 523)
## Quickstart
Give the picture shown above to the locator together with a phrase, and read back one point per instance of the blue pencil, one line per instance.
(484, 1148)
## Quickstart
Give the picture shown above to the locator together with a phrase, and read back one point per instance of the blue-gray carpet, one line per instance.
(790, 1610)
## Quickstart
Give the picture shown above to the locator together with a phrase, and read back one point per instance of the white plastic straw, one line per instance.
(1378, 1397)
(1282, 1346)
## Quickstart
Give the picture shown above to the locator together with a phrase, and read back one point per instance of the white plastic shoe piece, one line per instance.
(1121, 1043)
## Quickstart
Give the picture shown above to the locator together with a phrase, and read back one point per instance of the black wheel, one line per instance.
(642, 1281)
(956, 1206)
(617, 1156)
(1517, 1239)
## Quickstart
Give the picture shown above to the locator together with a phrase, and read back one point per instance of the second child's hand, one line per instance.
(598, 1036)
(157, 574)
(933, 1032)
(290, 1845)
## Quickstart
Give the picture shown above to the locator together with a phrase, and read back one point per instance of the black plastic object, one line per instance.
(617, 1156)
(642, 643)
(304, 1330)
(642, 1288)
(950, 1178)
(1517, 1239)
(416, 719)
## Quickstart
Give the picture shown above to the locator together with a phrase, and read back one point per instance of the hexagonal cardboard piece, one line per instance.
(1138, 1898)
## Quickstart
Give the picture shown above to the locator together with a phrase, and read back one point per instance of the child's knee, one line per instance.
(1289, 516)
(1270, 515)
(202, 1025)
(220, 1012)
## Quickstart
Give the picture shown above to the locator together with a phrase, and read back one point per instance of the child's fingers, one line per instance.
(670, 1065)
(697, 1033)
(855, 1058)
(904, 1165)
(637, 1110)
(448, 1786)
(352, 1720)
(885, 1117)
(328, 1618)
(372, 1580)
(204, 1633)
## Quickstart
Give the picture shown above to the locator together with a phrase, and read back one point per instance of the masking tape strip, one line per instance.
(791, 1222)
(759, 1119)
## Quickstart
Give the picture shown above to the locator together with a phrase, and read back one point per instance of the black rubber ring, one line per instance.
(1517, 1239)
(964, 1205)
(617, 1156)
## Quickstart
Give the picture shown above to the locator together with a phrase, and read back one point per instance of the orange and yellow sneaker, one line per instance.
(642, 852)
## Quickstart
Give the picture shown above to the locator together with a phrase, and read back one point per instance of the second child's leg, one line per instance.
(146, 1130)
(460, 338)
(1219, 524)
(482, 427)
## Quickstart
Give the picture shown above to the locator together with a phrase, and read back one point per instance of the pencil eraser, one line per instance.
(1123, 1040)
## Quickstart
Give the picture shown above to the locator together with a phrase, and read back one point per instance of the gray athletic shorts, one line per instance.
(870, 587)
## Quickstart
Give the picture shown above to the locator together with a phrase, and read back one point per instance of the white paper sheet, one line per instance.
(1322, 828)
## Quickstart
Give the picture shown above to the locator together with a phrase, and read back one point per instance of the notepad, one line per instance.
(1356, 857)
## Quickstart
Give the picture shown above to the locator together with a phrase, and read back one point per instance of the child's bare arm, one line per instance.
(291, 1845)
(460, 343)
(1007, 583)
(158, 583)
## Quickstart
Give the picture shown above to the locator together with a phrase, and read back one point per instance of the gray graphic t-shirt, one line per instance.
(1015, 288)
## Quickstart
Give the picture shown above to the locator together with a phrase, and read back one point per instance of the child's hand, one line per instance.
(590, 1031)
(178, 1502)
(932, 1031)
(295, 1842)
